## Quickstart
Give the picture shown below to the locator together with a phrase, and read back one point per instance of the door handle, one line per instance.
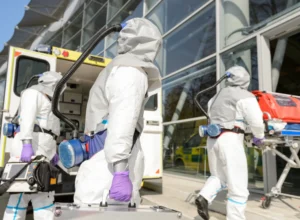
(4, 110)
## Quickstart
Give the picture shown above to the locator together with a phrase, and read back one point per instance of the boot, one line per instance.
(202, 207)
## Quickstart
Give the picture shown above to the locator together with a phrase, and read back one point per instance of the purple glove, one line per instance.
(55, 160)
(121, 187)
(258, 141)
(27, 153)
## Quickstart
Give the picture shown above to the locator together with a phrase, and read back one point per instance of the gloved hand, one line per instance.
(121, 187)
(258, 141)
(55, 160)
(27, 153)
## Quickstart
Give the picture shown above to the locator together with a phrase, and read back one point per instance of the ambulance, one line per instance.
(23, 64)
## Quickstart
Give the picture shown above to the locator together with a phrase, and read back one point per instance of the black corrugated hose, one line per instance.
(205, 90)
(71, 71)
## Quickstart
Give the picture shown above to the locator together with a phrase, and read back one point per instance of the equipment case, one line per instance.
(115, 212)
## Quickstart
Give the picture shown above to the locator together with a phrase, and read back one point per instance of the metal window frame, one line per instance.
(151, 9)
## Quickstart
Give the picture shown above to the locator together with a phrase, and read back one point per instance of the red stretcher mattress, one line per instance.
(279, 106)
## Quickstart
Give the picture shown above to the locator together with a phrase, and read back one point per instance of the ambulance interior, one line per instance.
(73, 101)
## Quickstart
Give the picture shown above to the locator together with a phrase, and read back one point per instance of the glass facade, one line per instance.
(242, 18)
(197, 48)
(244, 55)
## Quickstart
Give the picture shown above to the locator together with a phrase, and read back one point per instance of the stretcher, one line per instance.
(282, 129)
(112, 210)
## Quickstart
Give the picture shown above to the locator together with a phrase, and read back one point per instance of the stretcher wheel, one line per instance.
(266, 202)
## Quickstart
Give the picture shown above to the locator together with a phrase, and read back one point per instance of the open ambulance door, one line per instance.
(22, 65)
(151, 138)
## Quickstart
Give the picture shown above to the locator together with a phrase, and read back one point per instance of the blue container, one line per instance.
(9, 129)
(211, 130)
(214, 130)
(72, 153)
(203, 131)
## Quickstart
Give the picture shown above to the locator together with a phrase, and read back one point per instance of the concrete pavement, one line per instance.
(176, 189)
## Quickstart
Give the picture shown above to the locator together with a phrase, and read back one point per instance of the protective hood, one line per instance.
(238, 77)
(141, 38)
(47, 82)
(138, 43)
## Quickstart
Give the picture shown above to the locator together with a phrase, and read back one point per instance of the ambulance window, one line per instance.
(26, 68)
(151, 105)
(194, 142)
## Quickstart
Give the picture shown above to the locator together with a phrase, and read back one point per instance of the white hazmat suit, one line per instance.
(35, 109)
(118, 97)
(233, 106)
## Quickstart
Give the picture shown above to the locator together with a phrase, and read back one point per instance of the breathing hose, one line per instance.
(227, 75)
(71, 71)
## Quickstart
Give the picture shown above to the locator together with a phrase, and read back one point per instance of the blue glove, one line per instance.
(55, 160)
(121, 187)
(258, 141)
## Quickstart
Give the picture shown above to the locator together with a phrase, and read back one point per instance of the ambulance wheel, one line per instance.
(266, 202)
(179, 164)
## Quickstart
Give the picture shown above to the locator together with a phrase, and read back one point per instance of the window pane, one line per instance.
(150, 4)
(169, 12)
(74, 44)
(95, 25)
(73, 28)
(151, 105)
(132, 10)
(92, 9)
(190, 43)
(56, 40)
(179, 91)
(186, 151)
(111, 52)
(26, 68)
(117, 7)
(244, 55)
(242, 18)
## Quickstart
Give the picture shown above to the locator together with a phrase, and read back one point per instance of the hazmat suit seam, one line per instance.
(44, 207)
(19, 201)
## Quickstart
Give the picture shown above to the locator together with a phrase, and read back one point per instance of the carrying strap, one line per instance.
(37, 128)
(235, 130)
(135, 137)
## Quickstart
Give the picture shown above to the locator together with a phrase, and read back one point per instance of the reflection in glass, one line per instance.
(119, 11)
(169, 13)
(111, 52)
(192, 41)
(132, 10)
(56, 40)
(74, 43)
(179, 91)
(92, 9)
(150, 4)
(26, 68)
(95, 25)
(255, 168)
(244, 55)
(185, 150)
(244, 17)
(73, 27)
